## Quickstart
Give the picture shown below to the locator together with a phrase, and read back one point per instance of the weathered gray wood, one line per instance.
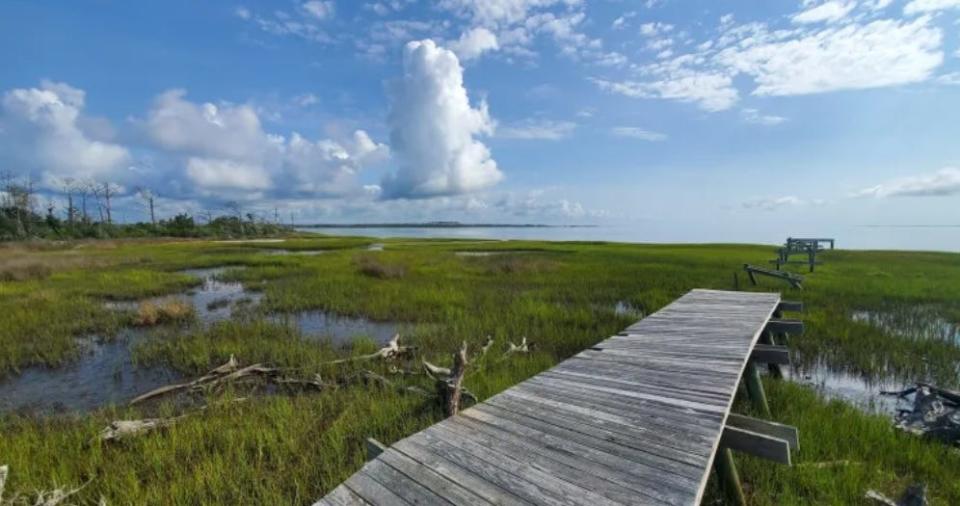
(374, 448)
(795, 280)
(729, 478)
(432, 480)
(371, 490)
(635, 419)
(342, 496)
(791, 327)
(770, 354)
(756, 444)
(788, 305)
(787, 433)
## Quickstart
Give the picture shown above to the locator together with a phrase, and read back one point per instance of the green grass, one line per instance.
(290, 449)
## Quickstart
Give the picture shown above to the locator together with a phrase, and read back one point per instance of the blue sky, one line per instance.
(713, 115)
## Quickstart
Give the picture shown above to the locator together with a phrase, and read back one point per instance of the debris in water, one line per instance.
(935, 413)
(915, 495)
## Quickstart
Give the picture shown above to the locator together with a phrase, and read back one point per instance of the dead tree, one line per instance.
(108, 190)
(450, 381)
(148, 197)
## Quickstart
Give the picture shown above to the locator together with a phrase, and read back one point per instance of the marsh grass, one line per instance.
(290, 449)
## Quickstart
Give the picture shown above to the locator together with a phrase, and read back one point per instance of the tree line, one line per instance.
(80, 209)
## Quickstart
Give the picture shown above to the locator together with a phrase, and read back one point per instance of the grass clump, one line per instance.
(371, 266)
(168, 310)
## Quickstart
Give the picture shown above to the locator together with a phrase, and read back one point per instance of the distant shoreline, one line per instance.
(439, 224)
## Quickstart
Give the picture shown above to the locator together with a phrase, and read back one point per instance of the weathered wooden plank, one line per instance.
(787, 433)
(432, 480)
(607, 467)
(371, 490)
(663, 450)
(572, 471)
(400, 484)
(792, 327)
(342, 496)
(756, 444)
(476, 483)
(771, 354)
(788, 305)
(600, 441)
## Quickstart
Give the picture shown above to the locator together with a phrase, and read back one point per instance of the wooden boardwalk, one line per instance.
(636, 419)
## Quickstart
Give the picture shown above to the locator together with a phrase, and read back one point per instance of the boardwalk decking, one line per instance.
(635, 419)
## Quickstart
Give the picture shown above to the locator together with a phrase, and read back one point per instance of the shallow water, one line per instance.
(213, 301)
(295, 252)
(859, 391)
(624, 308)
(918, 322)
(104, 375)
(339, 329)
(375, 247)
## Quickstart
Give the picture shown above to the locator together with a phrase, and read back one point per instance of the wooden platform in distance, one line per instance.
(635, 419)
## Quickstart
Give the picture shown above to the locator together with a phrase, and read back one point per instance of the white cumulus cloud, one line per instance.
(433, 128)
(43, 128)
(474, 43)
(224, 146)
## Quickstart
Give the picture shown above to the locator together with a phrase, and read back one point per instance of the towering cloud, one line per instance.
(433, 129)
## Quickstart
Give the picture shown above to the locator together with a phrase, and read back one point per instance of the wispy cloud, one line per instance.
(772, 203)
(534, 129)
(638, 133)
(944, 182)
(754, 116)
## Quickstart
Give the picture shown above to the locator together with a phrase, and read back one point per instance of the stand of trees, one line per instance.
(85, 210)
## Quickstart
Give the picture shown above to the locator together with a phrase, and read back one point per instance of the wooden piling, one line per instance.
(729, 479)
(751, 377)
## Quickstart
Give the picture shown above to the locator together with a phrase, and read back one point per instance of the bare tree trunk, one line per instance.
(153, 215)
(107, 193)
(455, 383)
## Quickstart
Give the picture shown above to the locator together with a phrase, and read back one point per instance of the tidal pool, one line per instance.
(104, 374)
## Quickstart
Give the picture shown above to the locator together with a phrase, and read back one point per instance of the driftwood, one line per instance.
(44, 498)
(392, 350)
(486, 347)
(449, 382)
(225, 373)
(122, 429)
